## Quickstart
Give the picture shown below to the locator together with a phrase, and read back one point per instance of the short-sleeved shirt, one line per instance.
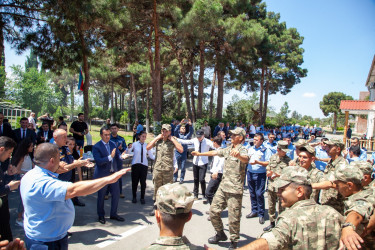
(306, 225)
(292, 149)
(362, 203)
(276, 165)
(48, 216)
(322, 154)
(234, 170)
(271, 146)
(164, 155)
(332, 197)
(79, 127)
(260, 153)
(139, 128)
(169, 243)
(67, 157)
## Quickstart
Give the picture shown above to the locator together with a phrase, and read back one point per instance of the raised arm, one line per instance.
(153, 142)
(178, 146)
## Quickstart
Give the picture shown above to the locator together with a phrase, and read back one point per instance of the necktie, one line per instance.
(109, 151)
(200, 146)
(24, 134)
(141, 152)
(45, 136)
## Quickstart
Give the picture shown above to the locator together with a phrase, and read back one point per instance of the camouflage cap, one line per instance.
(300, 143)
(293, 174)
(308, 148)
(283, 145)
(335, 142)
(174, 199)
(238, 131)
(364, 166)
(348, 173)
(166, 127)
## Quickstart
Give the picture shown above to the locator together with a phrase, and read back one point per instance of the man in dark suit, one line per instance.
(219, 127)
(24, 132)
(5, 128)
(44, 134)
(107, 156)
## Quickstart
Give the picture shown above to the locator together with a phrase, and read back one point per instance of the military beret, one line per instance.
(174, 199)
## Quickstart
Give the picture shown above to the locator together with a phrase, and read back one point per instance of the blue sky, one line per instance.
(339, 47)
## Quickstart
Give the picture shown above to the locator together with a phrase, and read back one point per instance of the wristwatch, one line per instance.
(348, 224)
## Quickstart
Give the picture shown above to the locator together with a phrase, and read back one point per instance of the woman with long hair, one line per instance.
(22, 160)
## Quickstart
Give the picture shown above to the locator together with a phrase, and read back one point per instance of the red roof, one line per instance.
(357, 105)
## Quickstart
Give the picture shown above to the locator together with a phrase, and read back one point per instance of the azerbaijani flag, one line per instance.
(80, 81)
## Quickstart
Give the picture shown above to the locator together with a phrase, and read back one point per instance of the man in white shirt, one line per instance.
(201, 144)
(140, 166)
(216, 173)
(252, 131)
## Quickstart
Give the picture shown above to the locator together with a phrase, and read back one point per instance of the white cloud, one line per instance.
(309, 95)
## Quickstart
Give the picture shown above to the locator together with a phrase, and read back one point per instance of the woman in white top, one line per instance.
(140, 166)
(23, 163)
(216, 172)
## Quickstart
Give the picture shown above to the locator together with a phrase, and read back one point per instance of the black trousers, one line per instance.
(5, 231)
(212, 187)
(199, 173)
(139, 174)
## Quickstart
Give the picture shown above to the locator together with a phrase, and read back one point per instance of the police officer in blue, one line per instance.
(321, 156)
(67, 161)
(256, 176)
(180, 132)
(271, 143)
(291, 147)
(120, 143)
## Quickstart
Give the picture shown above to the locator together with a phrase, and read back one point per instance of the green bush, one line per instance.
(340, 129)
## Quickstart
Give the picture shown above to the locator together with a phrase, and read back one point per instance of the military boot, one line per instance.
(219, 236)
(233, 245)
(272, 225)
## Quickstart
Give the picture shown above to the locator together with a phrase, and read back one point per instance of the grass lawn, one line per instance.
(128, 136)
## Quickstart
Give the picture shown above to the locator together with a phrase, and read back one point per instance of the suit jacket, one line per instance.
(7, 131)
(29, 134)
(40, 134)
(217, 129)
(103, 165)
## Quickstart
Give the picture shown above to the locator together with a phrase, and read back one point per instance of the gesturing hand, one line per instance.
(113, 153)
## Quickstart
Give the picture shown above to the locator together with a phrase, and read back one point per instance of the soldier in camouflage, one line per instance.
(305, 225)
(306, 159)
(297, 145)
(174, 203)
(332, 197)
(366, 169)
(276, 164)
(230, 191)
(359, 207)
(163, 166)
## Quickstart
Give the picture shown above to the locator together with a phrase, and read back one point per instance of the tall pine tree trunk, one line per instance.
(156, 84)
(266, 92)
(71, 100)
(2, 60)
(193, 113)
(261, 98)
(134, 95)
(212, 94)
(185, 84)
(200, 81)
(112, 118)
(148, 108)
(220, 94)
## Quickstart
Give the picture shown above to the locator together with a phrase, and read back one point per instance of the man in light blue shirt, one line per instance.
(320, 154)
(291, 147)
(139, 130)
(256, 176)
(49, 212)
(271, 143)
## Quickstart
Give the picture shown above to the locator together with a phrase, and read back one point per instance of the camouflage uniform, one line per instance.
(173, 199)
(315, 176)
(276, 164)
(332, 197)
(305, 225)
(362, 202)
(163, 167)
(230, 191)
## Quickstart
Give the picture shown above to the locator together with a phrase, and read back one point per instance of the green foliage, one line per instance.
(124, 118)
(331, 102)
(240, 109)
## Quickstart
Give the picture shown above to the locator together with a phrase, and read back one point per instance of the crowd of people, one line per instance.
(320, 194)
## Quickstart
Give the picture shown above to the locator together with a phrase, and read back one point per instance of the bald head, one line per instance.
(46, 155)
(60, 137)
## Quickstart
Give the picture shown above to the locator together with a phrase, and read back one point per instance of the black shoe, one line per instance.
(134, 200)
(79, 204)
(181, 181)
(251, 215)
(102, 219)
(143, 201)
(272, 225)
(261, 220)
(219, 236)
(70, 234)
(152, 213)
(205, 201)
(174, 180)
(233, 245)
(116, 217)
